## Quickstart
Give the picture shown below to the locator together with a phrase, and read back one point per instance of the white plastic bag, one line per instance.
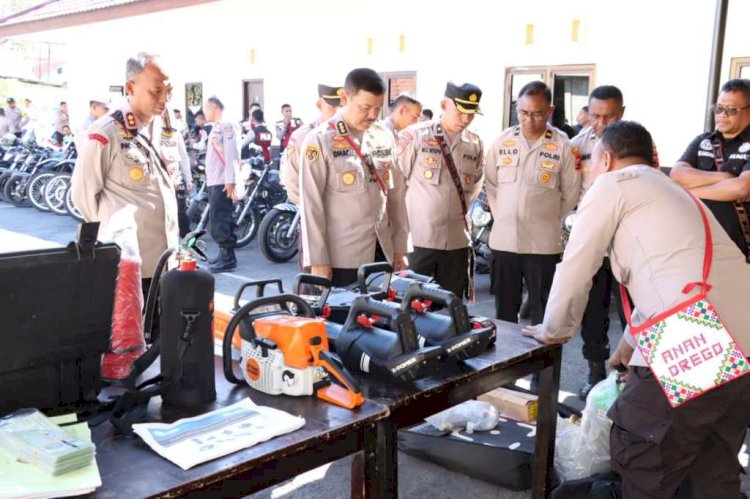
(471, 415)
(582, 450)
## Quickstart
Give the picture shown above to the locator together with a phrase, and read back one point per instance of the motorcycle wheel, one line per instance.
(246, 228)
(273, 240)
(54, 193)
(35, 190)
(70, 207)
(4, 177)
(15, 192)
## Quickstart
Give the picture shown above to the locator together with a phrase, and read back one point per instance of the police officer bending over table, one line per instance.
(352, 196)
(125, 162)
(654, 236)
(531, 183)
(221, 155)
(442, 162)
(716, 165)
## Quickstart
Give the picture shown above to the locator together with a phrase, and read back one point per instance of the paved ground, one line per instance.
(26, 228)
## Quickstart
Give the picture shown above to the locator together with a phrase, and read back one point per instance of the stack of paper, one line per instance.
(22, 480)
(33, 438)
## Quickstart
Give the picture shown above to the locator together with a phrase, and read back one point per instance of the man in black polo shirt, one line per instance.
(716, 165)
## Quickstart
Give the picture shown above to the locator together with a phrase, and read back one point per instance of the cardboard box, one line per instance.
(516, 405)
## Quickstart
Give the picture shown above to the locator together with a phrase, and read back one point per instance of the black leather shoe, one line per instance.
(225, 261)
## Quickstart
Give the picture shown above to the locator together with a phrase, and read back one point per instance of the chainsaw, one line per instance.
(288, 354)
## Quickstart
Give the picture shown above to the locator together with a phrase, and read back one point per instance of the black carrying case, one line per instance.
(55, 323)
(503, 457)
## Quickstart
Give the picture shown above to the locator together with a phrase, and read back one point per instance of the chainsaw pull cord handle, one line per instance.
(303, 309)
(313, 280)
(261, 285)
(364, 271)
(436, 294)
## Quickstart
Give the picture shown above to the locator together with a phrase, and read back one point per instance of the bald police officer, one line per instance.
(329, 101)
(442, 162)
(405, 111)
(653, 233)
(352, 194)
(124, 162)
(531, 183)
(221, 155)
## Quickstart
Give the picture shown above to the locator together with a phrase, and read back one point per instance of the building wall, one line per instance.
(657, 52)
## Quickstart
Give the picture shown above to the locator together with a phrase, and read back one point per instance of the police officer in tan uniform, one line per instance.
(352, 194)
(222, 154)
(531, 183)
(442, 162)
(405, 111)
(653, 233)
(329, 101)
(124, 162)
(605, 107)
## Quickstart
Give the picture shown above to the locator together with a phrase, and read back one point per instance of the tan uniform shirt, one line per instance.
(436, 217)
(61, 121)
(653, 233)
(117, 168)
(344, 209)
(290, 160)
(14, 119)
(530, 188)
(583, 145)
(221, 154)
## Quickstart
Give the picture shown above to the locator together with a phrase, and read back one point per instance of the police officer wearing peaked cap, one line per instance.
(443, 165)
(329, 100)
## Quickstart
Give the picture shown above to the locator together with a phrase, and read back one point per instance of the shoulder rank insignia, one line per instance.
(548, 134)
(620, 176)
(517, 131)
(341, 127)
(130, 120)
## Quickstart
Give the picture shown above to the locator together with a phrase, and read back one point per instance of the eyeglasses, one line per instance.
(729, 111)
(536, 115)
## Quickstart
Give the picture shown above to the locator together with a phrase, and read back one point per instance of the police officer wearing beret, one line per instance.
(442, 162)
(716, 165)
(125, 162)
(531, 183)
(352, 195)
(222, 154)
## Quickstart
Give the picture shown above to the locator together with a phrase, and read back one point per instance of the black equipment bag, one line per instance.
(56, 313)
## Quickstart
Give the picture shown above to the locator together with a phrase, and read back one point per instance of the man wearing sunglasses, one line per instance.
(716, 167)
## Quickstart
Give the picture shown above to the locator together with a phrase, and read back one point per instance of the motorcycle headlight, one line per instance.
(568, 221)
(480, 217)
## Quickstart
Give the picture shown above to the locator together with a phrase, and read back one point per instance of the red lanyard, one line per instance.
(366, 159)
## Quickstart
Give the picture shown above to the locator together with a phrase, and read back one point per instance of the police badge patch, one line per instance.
(705, 145)
(312, 153)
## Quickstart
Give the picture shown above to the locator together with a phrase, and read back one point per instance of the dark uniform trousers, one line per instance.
(511, 270)
(595, 322)
(220, 214)
(342, 277)
(655, 447)
(182, 219)
(447, 267)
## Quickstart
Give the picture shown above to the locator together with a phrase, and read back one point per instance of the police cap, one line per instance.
(332, 95)
(466, 97)
(10, 100)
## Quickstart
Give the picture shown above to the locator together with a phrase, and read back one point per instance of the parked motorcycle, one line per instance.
(279, 233)
(481, 226)
(264, 192)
